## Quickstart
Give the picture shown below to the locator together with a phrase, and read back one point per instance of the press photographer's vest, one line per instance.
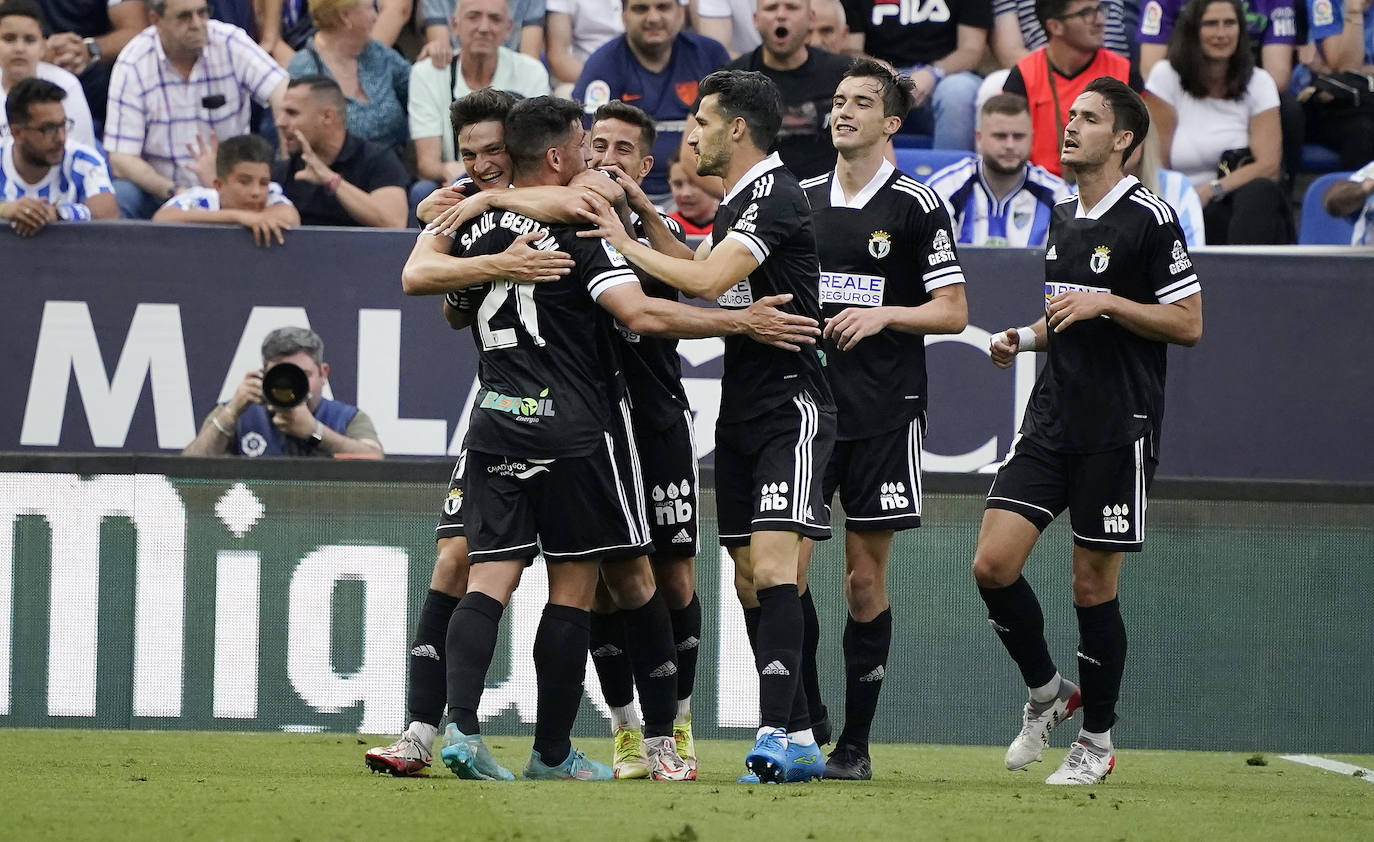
(1045, 94)
(255, 435)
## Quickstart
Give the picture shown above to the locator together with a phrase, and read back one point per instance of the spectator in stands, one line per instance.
(1273, 31)
(655, 66)
(248, 425)
(1355, 195)
(243, 194)
(1016, 30)
(86, 38)
(1342, 42)
(729, 22)
(287, 25)
(1218, 120)
(1051, 77)
(184, 75)
(375, 78)
(21, 53)
(694, 196)
(828, 29)
(997, 197)
(483, 61)
(807, 78)
(527, 29)
(938, 52)
(1170, 185)
(574, 29)
(332, 176)
(44, 177)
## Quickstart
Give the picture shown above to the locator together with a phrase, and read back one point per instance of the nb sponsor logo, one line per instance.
(892, 495)
(773, 497)
(671, 506)
(1114, 520)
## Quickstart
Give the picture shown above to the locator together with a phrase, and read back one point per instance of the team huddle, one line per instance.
(570, 279)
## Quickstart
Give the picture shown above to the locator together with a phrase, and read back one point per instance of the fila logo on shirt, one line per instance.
(773, 497)
(892, 495)
(1114, 519)
(911, 11)
(670, 507)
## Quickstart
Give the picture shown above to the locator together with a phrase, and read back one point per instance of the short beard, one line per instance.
(992, 165)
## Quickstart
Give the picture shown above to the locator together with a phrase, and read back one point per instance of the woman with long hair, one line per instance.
(1218, 121)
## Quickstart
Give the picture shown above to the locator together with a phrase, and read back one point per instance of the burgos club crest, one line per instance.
(879, 244)
(1098, 262)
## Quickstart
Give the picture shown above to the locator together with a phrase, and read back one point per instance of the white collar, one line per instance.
(1107, 201)
(869, 190)
(769, 163)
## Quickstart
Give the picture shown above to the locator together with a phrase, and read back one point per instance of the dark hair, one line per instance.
(246, 148)
(626, 113)
(1008, 104)
(479, 107)
(1128, 109)
(285, 341)
(747, 94)
(898, 90)
(324, 88)
(25, 9)
(536, 124)
(26, 92)
(1048, 10)
(1185, 51)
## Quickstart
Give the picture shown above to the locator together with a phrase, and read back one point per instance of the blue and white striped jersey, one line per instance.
(207, 198)
(1019, 220)
(82, 174)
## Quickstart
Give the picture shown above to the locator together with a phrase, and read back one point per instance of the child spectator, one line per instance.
(244, 194)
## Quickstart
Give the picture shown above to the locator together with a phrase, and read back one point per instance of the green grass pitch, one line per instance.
(176, 785)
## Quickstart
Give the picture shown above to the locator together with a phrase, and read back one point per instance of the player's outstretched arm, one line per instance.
(431, 270)
(945, 312)
(761, 321)
(1179, 322)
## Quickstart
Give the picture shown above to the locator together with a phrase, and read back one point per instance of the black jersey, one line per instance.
(891, 245)
(653, 370)
(1103, 386)
(548, 361)
(768, 214)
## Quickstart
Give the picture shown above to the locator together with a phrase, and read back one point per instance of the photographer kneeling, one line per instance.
(280, 411)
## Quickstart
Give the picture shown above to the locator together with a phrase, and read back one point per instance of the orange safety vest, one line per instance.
(1047, 131)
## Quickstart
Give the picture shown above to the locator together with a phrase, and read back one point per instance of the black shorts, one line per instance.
(451, 512)
(769, 471)
(572, 508)
(1105, 493)
(879, 479)
(668, 462)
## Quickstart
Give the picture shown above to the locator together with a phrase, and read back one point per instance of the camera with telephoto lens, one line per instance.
(284, 386)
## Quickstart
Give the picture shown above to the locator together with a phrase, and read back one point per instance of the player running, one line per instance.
(1120, 287)
(889, 278)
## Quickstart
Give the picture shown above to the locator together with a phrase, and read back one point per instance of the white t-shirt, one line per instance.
(594, 22)
(430, 96)
(1363, 234)
(744, 37)
(1208, 127)
(78, 110)
(207, 198)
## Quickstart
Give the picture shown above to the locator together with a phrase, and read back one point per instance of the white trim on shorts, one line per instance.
(505, 553)
(640, 511)
(802, 458)
(636, 537)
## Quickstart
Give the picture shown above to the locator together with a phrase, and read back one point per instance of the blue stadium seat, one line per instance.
(1317, 227)
(1318, 158)
(920, 163)
(912, 141)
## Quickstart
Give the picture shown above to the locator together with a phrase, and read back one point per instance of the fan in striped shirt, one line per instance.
(43, 176)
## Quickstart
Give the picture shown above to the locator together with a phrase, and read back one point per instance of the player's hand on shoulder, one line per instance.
(1068, 307)
(854, 324)
(524, 264)
(602, 217)
(1004, 347)
(435, 203)
(766, 324)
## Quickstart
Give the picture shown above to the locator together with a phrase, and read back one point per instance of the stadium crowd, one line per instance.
(1244, 97)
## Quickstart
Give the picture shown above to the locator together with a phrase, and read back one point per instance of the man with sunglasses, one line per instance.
(1051, 77)
(44, 177)
(178, 85)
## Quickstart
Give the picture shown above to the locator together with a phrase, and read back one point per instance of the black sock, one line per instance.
(612, 663)
(471, 641)
(560, 663)
(865, 663)
(751, 628)
(1015, 614)
(800, 717)
(779, 653)
(1101, 659)
(810, 677)
(687, 641)
(426, 688)
(649, 632)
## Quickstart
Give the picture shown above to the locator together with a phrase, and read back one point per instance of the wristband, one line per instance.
(1025, 339)
(333, 185)
(214, 419)
(73, 212)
